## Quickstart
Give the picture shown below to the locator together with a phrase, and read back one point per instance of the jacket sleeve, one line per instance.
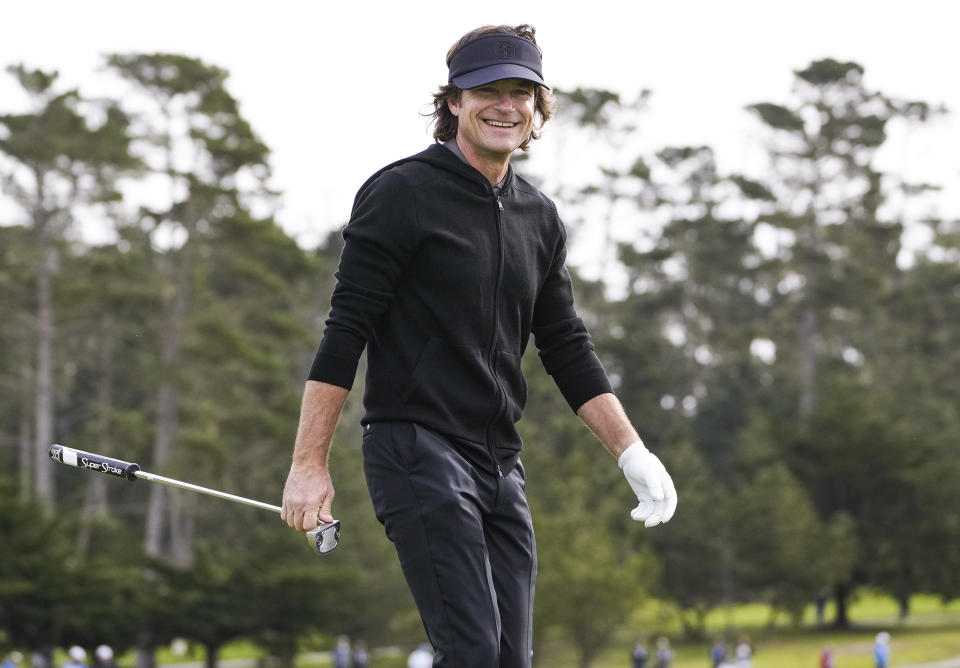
(562, 338)
(379, 241)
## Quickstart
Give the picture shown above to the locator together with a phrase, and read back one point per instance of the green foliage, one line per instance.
(589, 106)
(49, 595)
(57, 137)
(778, 117)
(784, 510)
(829, 71)
(587, 583)
(58, 161)
(753, 189)
(696, 549)
(262, 588)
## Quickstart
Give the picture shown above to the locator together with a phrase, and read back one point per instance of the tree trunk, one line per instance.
(903, 603)
(182, 525)
(808, 361)
(809, 248)
(26, 433)
(95, 501)
(587, 648)
(163, 437)
(213, 651)
(94, 505)
(43, 407)
(285, 649)
(167, 398)
(820, 604)
(146, 657)
(772, 619)
(840, 594)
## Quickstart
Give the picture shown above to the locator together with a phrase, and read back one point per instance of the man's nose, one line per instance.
(505, 102)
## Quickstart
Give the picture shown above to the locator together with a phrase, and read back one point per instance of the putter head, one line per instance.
(325, 536)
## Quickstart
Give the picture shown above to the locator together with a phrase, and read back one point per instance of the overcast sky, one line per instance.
(336, 89)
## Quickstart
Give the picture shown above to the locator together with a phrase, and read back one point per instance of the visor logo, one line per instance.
(504, 50)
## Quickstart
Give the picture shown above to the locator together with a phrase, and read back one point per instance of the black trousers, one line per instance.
(465, 542)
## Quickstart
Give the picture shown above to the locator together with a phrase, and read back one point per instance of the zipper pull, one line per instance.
(500, 204)
(499, 472)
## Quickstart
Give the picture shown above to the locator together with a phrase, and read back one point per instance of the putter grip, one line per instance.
(94, 462)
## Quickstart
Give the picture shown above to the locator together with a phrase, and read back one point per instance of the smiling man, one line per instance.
(450, 262)
(493, 121)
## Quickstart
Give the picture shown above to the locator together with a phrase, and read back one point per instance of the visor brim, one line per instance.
(485, 75)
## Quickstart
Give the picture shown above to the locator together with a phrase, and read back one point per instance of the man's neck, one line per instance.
(493, 166)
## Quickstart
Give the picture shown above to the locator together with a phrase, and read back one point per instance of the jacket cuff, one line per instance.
(339, 371)
(579, 386)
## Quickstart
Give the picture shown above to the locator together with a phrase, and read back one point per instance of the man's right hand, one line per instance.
(308, 494)
(307, 497)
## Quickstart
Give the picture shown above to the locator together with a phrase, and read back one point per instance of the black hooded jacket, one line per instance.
(444, 281)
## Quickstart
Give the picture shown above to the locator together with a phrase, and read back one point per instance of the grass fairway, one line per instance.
(852, 650)
(931, 633)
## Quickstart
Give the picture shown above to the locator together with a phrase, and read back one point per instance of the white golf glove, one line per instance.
(651, 483)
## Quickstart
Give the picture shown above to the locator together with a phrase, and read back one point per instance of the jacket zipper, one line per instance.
(491, 363)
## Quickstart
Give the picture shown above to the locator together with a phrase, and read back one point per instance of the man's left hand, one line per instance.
(651, 483)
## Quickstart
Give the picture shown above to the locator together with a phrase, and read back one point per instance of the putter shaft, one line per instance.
(153, 477)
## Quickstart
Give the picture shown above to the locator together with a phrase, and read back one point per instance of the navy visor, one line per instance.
(493, 57)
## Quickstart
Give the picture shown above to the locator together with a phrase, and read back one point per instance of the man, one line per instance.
(103, 657)
(12, 660)
(881, 650)
(450, 262)
(743, 654)
(76, 657)
(639, 655)
(420, 657)
(340, 654)
(664, 653)
(718, 654)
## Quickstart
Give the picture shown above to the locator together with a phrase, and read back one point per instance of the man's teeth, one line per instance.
(500, 124)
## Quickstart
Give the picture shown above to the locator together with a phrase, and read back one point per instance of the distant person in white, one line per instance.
(743, 654)
(421, 657)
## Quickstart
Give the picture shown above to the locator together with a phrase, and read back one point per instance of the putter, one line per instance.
(323, 538)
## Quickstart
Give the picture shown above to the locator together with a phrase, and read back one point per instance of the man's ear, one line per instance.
(453, 104)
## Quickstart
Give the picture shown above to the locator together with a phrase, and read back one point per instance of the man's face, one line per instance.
(494, 119)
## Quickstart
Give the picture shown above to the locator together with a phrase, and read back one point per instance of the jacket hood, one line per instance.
(440, 156)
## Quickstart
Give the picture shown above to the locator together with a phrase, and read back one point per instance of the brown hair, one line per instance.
(445, 123)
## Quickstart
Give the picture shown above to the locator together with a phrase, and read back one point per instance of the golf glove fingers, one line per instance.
(649, 480)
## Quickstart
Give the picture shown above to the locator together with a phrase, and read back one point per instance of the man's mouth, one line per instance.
(500, 124)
